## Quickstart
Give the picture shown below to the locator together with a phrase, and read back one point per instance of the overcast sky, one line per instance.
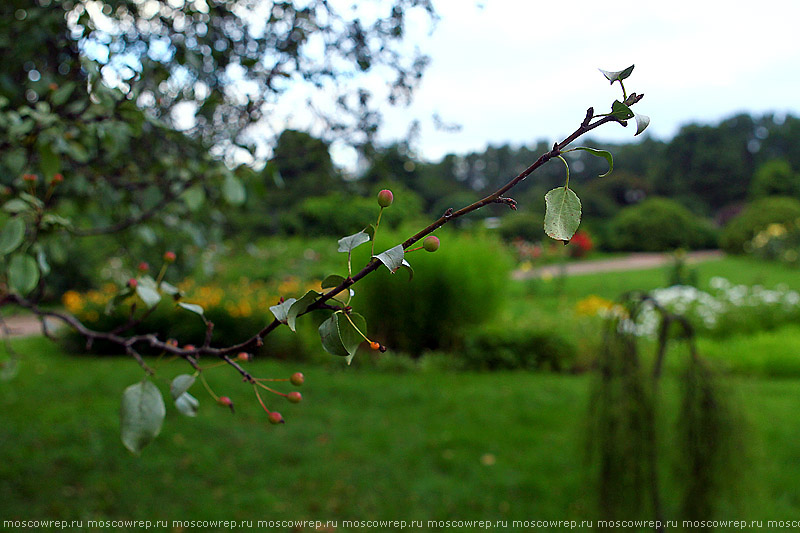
(518, 71)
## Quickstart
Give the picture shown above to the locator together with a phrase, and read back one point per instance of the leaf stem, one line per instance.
(566, 184)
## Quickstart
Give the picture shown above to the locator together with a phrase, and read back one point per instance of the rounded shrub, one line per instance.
(756, 217)
(499, 347)
(658, 225)
(460, 286)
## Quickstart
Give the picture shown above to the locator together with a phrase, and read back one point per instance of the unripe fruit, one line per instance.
(297, 379)
(294, 397)
(225, 402)
(431, 243)
(385, 198)
(169, 257)
(243, 356)
(275, 418)
(143, 267)
(172, 342)
(132, 283)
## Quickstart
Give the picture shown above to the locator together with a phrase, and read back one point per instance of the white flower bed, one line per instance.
(727, 309)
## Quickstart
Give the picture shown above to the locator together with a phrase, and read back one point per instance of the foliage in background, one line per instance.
(778, 242)
(461, 286)
(657, 225)
(755, 218)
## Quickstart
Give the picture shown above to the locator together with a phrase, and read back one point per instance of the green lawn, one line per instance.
(363, 445)
(372, 444)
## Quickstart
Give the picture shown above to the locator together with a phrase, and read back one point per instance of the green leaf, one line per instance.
(405, 264)
(141, 415)
(300, 307)
(62, 94)
(233, 190)
(349, 243)
(392, 258)
(187, 405)
(23, 274)
(339, 337)
(642, 121)
(620, 111)
(599, 153)
(281, 310)
(329, 334)
(180, 384)
(562, 213)
(146, 290)
(194, 308)
(194, 197)
(49, 161)
(618, 75)
(332, 281)
(15, 206)
(12, 235)
(171, 290)
(41, 259)
(351, 338)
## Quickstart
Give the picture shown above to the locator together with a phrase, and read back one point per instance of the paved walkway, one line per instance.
(634, 261)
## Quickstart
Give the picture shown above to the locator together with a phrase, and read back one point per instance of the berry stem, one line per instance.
(208, 388)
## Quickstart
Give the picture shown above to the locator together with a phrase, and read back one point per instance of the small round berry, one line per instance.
(143, 267)
(297, 379)
(244, 356)
(375, 345)
(275, 418)
(385, 198)
(294, 397)
(224, 400)
(132, 283)
(431, 243)
(58, 178)
(52, 86)
(189, 348)
(30, 178)
(169, 257)
(172, 342)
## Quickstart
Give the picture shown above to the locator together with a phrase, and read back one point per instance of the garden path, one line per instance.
(633, 261)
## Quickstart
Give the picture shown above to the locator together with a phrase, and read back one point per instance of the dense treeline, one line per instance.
(712, 171)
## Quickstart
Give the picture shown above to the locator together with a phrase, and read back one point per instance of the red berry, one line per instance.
(375, 345)
(275, 418)
(132, 283)
(58, 178)
(294, 397)
(297, 379)
(431, 243)
(244, 356)
(225, 402)
(172, 342)
(30, 177)
(143, 267)
(189, 347)
(385, 198)
(169, 257)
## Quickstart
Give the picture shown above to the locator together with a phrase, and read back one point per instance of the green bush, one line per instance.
(499, 347)
(657, 225)
(756, 217)
(456, 288)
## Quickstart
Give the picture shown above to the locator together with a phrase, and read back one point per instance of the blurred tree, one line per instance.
(775, 178)
(136, 104)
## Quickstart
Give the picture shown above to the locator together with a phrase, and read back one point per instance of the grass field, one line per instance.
(367, 444)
